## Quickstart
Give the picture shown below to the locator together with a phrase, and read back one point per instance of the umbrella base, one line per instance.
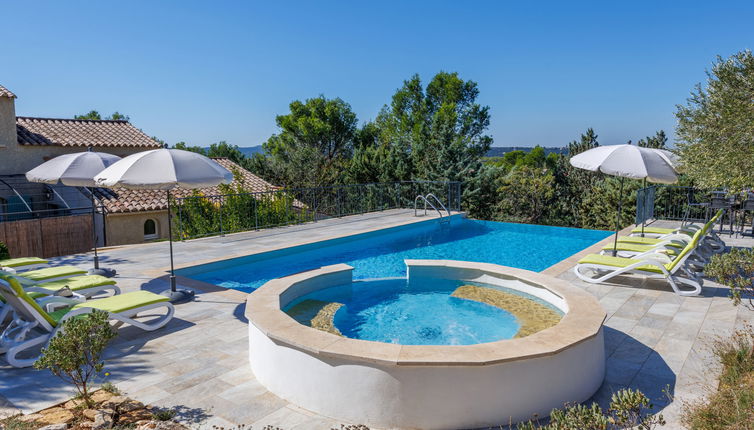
(178, 296)
(108, 273)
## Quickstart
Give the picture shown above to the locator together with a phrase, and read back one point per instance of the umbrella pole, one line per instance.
(175, 295)
(617, 218)
(94, 229)
(644, 208)
(170, 240)
(96, 270)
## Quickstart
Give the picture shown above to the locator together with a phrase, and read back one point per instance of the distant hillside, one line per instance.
(250, 150)
(499, 151)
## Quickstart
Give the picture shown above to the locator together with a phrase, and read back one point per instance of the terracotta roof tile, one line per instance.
(81, 132)
(126, 200)
(4, 92)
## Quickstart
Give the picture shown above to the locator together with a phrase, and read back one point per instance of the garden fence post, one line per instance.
(314, 204)
(256, 219)
(222, 233)
(337, 199)
(180, 219)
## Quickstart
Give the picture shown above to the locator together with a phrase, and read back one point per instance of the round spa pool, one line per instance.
(454, 345)
(423, 311)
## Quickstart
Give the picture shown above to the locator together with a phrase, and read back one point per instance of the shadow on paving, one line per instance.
(87, 260)
(640, 368)
(29, 389)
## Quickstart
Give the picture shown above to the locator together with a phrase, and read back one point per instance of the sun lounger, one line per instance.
(22, 264)
(83, 286)
(35, 322)
(651, 265)
(52, 273)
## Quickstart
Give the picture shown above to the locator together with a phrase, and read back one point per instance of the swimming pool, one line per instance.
(381, 253)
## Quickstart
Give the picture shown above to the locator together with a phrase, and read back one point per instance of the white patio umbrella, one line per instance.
(165, 169)
(77, 170)
(627, 161)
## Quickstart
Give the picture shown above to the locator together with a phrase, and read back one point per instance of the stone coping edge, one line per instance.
(582, 321)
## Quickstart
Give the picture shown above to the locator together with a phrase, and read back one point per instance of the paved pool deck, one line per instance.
(199, 364)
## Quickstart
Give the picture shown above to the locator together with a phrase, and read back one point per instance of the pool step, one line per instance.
(532, 316)
(316, 314)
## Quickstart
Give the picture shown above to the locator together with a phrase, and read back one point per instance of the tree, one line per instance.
(315, 143)
(588, 141)
(74, 354)
(186, 147)
(716, 126)
(95, 115)
(527, 193)
(437, 132)
(657, 141)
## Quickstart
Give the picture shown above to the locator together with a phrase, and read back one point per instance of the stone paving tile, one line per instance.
(284, 417)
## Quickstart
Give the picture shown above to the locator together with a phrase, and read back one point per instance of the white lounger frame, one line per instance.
(29, 329)
(86, 293)
(657, 260)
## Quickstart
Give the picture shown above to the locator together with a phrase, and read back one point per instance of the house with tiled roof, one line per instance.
(127, 216)
(134, 216)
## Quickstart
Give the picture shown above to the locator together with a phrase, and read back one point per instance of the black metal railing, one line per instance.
(672, 202)
(202, 215)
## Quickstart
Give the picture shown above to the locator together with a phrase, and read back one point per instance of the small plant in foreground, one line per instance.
(74, 353)
(14, 423)
(732, 405)
(735, 270)
(164, 414)
(110, 388)
(628, 408)
(4, 253)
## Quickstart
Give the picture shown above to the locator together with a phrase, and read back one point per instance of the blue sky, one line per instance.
(208, 71)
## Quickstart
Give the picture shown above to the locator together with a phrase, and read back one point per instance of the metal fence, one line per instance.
(671, 202)
(200, 215)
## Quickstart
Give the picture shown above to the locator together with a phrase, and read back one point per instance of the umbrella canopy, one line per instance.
(75, 170)
(629, 161)
(164, 169)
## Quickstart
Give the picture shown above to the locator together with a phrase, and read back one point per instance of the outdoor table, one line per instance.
(721, 200)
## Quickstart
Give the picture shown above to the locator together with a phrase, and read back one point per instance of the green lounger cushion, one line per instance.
(52, 272)
(638, 240)
(21, 262)
(657, 230)
(77, 282)
(607, 260)
(636, 247)
(646, 241)
(115, 304)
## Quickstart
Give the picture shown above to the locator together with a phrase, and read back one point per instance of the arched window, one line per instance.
(150, 229)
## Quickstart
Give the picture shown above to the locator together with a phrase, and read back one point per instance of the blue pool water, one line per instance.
(419, 312)
(380, 254)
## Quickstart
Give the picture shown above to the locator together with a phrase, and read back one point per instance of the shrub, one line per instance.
(4, 252)
(732, 405)
(110, 388)
(74, 353)
(628, 409)
(164, 414)
(735, 270)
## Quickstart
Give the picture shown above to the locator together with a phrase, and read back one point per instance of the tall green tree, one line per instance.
(437, 132)
(716, 125)
(315, 142)
(658, 141)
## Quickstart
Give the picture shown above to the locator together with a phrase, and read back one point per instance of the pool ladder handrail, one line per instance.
(425, 198)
